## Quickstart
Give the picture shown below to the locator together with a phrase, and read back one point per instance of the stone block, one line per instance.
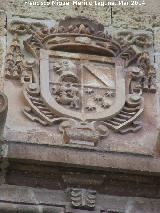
(57, 12)
(137, 17)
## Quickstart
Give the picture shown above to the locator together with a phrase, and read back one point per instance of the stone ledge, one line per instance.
(33, 200)
(83, 158)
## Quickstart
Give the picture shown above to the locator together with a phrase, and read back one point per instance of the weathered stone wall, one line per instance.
(117, 18)
(121, 17)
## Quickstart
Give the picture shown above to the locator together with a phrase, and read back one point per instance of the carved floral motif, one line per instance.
(83, 199)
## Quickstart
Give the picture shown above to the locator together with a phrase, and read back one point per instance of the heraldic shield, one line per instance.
(78, 81)
(82, 86)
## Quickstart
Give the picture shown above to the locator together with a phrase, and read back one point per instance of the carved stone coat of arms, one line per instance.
(81, 79)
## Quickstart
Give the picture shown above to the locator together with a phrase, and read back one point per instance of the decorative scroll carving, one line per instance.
(134, 52)
(149, 73)
(22, 27)
(77, 78)
(125, 121)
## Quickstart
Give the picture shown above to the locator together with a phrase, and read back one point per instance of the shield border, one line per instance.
(63, 112)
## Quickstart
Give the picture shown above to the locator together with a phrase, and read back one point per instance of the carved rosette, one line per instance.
(82, 79)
